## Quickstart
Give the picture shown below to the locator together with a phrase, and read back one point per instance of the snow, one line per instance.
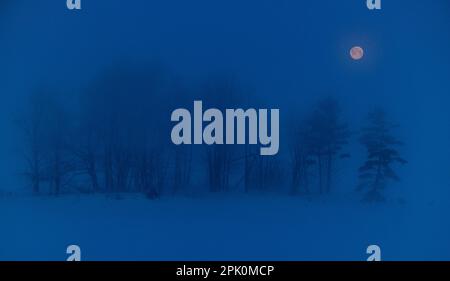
(222, 227)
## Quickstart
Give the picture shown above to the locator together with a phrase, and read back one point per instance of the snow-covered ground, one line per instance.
(231, 227)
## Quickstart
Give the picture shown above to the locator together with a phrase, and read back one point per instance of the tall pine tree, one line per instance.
(381, 146)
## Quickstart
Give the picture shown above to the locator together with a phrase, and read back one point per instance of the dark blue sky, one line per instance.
(289, 52)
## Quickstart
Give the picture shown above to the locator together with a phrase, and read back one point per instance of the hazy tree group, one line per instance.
(114, 139)
(318, 143)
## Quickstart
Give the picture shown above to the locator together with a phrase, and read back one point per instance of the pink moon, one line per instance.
(356, 53)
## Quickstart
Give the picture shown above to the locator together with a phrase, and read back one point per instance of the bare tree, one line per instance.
(32, 125)
(219, 165)
(327, 136)
(46, 126)
(60, 160)
(183, 167)
(302, 160)
(222, 93)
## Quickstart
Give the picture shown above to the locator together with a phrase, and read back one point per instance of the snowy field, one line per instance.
(256, 227)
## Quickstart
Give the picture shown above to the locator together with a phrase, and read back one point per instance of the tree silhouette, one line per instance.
(32, 125)
(381, 155)
(302, 160)
(45, 125)
(222, 91)
(326, 137)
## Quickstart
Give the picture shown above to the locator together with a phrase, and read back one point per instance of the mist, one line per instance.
(113, 73)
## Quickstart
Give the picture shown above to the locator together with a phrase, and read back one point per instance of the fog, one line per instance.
(288, 55)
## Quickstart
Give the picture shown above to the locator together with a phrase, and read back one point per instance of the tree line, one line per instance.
(114, 137)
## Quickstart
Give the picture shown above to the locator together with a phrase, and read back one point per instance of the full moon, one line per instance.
(357, 53)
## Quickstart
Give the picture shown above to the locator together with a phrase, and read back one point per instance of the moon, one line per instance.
(356, 53)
